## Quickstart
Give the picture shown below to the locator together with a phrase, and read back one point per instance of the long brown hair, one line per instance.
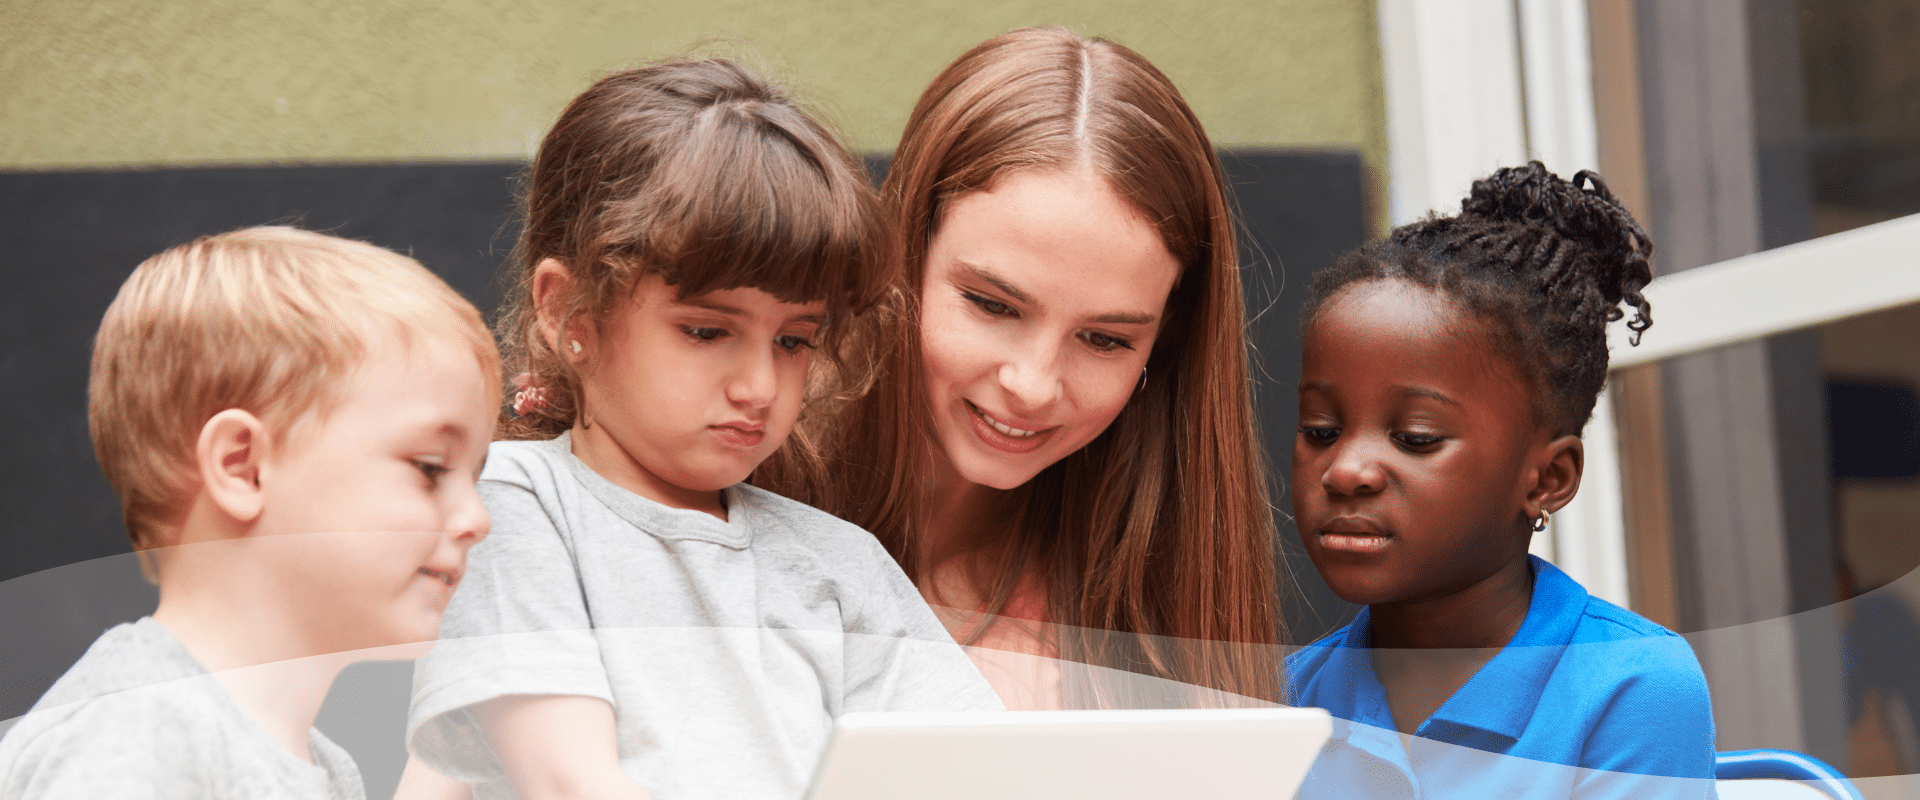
(1156, 540)
(705, 173)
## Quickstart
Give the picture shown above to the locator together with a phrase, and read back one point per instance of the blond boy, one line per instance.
(294, 423)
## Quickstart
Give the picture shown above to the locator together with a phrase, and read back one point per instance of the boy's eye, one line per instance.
(990, 305)
(1320, 434)
(1105, 343)
(791, 343)
(431, 470)
(703, 334)
(1418, 441)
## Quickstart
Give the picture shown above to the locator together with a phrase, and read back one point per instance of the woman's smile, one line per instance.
(1042, 298)
(1002, 436)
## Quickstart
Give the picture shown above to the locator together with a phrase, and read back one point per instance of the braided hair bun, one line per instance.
(1603, 243)
(1545, 264)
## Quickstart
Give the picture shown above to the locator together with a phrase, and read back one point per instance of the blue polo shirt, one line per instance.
(1587, 700)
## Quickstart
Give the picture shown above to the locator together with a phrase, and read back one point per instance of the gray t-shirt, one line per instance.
(138, 717)
(725, 647)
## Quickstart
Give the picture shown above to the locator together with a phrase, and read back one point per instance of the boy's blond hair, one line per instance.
(270, 320)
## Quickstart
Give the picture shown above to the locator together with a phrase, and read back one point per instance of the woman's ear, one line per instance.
(1557, 475)
(551, 280)
(232, 446)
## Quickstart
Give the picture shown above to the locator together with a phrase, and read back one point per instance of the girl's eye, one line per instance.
(1105, 343)
(989, 305)
(1318, 434)
(703, 334)
(431, 470)
(792, 343)
(1418, 442)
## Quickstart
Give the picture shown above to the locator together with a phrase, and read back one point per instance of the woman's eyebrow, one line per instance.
(998, 282)
(1125, 318)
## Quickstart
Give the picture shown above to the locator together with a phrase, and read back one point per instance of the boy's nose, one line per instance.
(469, 522)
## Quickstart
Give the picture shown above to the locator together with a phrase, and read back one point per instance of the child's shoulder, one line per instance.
(780, 517)
(136, 715)
(1604, 622)
(518, 462)
(126, 657)
(1625, 647)
(1617, 654)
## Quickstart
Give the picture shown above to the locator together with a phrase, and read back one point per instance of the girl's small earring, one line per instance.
(575, 345)
(1541, 523)
(1143, 380)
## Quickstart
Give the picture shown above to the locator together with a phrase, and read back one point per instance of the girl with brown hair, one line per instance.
(641, 623)
(1060, 448)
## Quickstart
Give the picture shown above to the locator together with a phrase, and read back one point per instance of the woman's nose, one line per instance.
(1031, 376)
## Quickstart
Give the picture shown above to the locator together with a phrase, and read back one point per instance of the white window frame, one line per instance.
(1472, 86)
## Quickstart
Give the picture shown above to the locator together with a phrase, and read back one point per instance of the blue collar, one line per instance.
(1500, 698)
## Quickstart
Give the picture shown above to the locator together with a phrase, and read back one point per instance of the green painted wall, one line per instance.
(149, 82)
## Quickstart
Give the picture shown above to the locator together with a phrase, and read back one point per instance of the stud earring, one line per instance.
(576, 346)
(1541, 523)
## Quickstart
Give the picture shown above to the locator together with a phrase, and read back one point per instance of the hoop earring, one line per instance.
(1541, 523)
(1143, 381)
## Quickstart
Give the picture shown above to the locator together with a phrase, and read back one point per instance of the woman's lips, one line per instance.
(991, 432)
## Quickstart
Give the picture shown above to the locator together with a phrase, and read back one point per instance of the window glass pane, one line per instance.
(1773, 492)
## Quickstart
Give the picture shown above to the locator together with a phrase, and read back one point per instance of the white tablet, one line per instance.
(1060, 755)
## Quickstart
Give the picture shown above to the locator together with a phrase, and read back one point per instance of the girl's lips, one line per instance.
(739, 437)
(988, 429)
(1353, 542)
(1355, 535)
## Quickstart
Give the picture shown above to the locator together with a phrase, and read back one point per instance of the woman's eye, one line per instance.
(792, 343)
(703, 334)
(1418, 441)
(1103, 342)
(431, 470)
(1319, 434)
(989, 305)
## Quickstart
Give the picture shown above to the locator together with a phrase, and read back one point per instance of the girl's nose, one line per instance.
(757, 381)
(1353, 470)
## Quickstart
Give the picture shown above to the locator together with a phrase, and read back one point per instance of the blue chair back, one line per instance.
(1735, 765)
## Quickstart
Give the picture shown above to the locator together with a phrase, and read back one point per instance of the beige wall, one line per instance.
(149, 82)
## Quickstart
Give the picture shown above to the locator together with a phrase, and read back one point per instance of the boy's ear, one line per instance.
(1557, 476)
(550, 281)
(231, 448)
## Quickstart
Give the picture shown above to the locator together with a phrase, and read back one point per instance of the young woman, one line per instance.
(1060, 449)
